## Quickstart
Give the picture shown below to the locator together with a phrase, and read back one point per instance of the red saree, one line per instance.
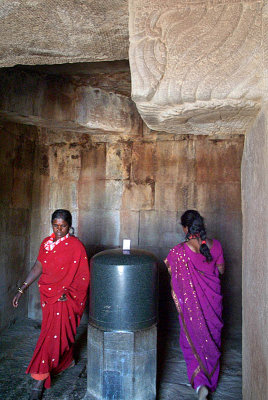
(64, 271)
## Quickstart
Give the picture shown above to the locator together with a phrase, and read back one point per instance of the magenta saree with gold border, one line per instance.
(196, 291)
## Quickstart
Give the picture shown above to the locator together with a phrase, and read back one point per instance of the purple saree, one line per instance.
(197, 295)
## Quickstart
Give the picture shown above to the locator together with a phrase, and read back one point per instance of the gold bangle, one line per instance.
(26, 283)
(20, 290)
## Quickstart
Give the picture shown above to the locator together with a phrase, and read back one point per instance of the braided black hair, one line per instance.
(63, 214)
(196, 227)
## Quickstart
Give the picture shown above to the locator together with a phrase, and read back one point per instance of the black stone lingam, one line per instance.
(122, 326)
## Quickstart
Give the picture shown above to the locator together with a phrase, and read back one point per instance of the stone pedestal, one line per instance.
(121, 365)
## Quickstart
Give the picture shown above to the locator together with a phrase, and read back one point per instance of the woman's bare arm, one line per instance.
(168, 266)
(221, 268)
(35, 272)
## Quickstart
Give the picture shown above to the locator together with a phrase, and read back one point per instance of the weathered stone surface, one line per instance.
(255, 256)
(113, 194)
(92, 195)
(12, 266)
(143, 162)
(118, 81)
(118, 161)
(98, 109)
(129, 227)
(159, 229)
(58, 102)
(166, 196)
(214, 169)
(64, 163)
(173, 197)
(62, 197)
(196, 68)
(17, 144)
(34, 32)
(99, 228)
(175, 161)
(93, 164)
(100, 195)
(138, 196)
(113, 76)
(228, 229)
(224, 196)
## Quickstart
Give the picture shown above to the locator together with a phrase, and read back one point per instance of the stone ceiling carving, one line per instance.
(60, 31)
(196, 66)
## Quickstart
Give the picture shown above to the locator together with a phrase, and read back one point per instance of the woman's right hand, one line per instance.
(63, 297)
(35, 272)
(15, 301)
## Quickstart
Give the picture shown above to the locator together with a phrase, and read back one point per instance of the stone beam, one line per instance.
(196, 66)
(60, 31)
(58, 102)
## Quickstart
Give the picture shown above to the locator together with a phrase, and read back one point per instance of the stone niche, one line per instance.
(196, 66)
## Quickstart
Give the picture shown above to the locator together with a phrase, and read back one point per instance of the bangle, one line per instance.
(26, 283)
(20, 290)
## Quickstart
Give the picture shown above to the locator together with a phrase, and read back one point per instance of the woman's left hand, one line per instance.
(221, 268)
(15, 301)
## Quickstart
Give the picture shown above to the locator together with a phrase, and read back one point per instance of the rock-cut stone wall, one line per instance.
(255, 259)
(17, 147)
(137, 187)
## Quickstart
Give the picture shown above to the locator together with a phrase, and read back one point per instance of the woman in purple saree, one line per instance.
(194, 266)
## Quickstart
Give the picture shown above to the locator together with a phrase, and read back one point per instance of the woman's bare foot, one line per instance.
(202, 392)
(37, 390)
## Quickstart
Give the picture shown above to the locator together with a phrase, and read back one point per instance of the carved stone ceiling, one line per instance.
(60, 31)
(196, 66)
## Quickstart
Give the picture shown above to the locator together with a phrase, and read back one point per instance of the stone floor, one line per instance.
(17, 344)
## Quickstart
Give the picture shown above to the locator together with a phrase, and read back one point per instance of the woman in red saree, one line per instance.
(194, 266)
(63, 284)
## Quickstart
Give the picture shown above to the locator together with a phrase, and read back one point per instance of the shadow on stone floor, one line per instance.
(18, 342)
